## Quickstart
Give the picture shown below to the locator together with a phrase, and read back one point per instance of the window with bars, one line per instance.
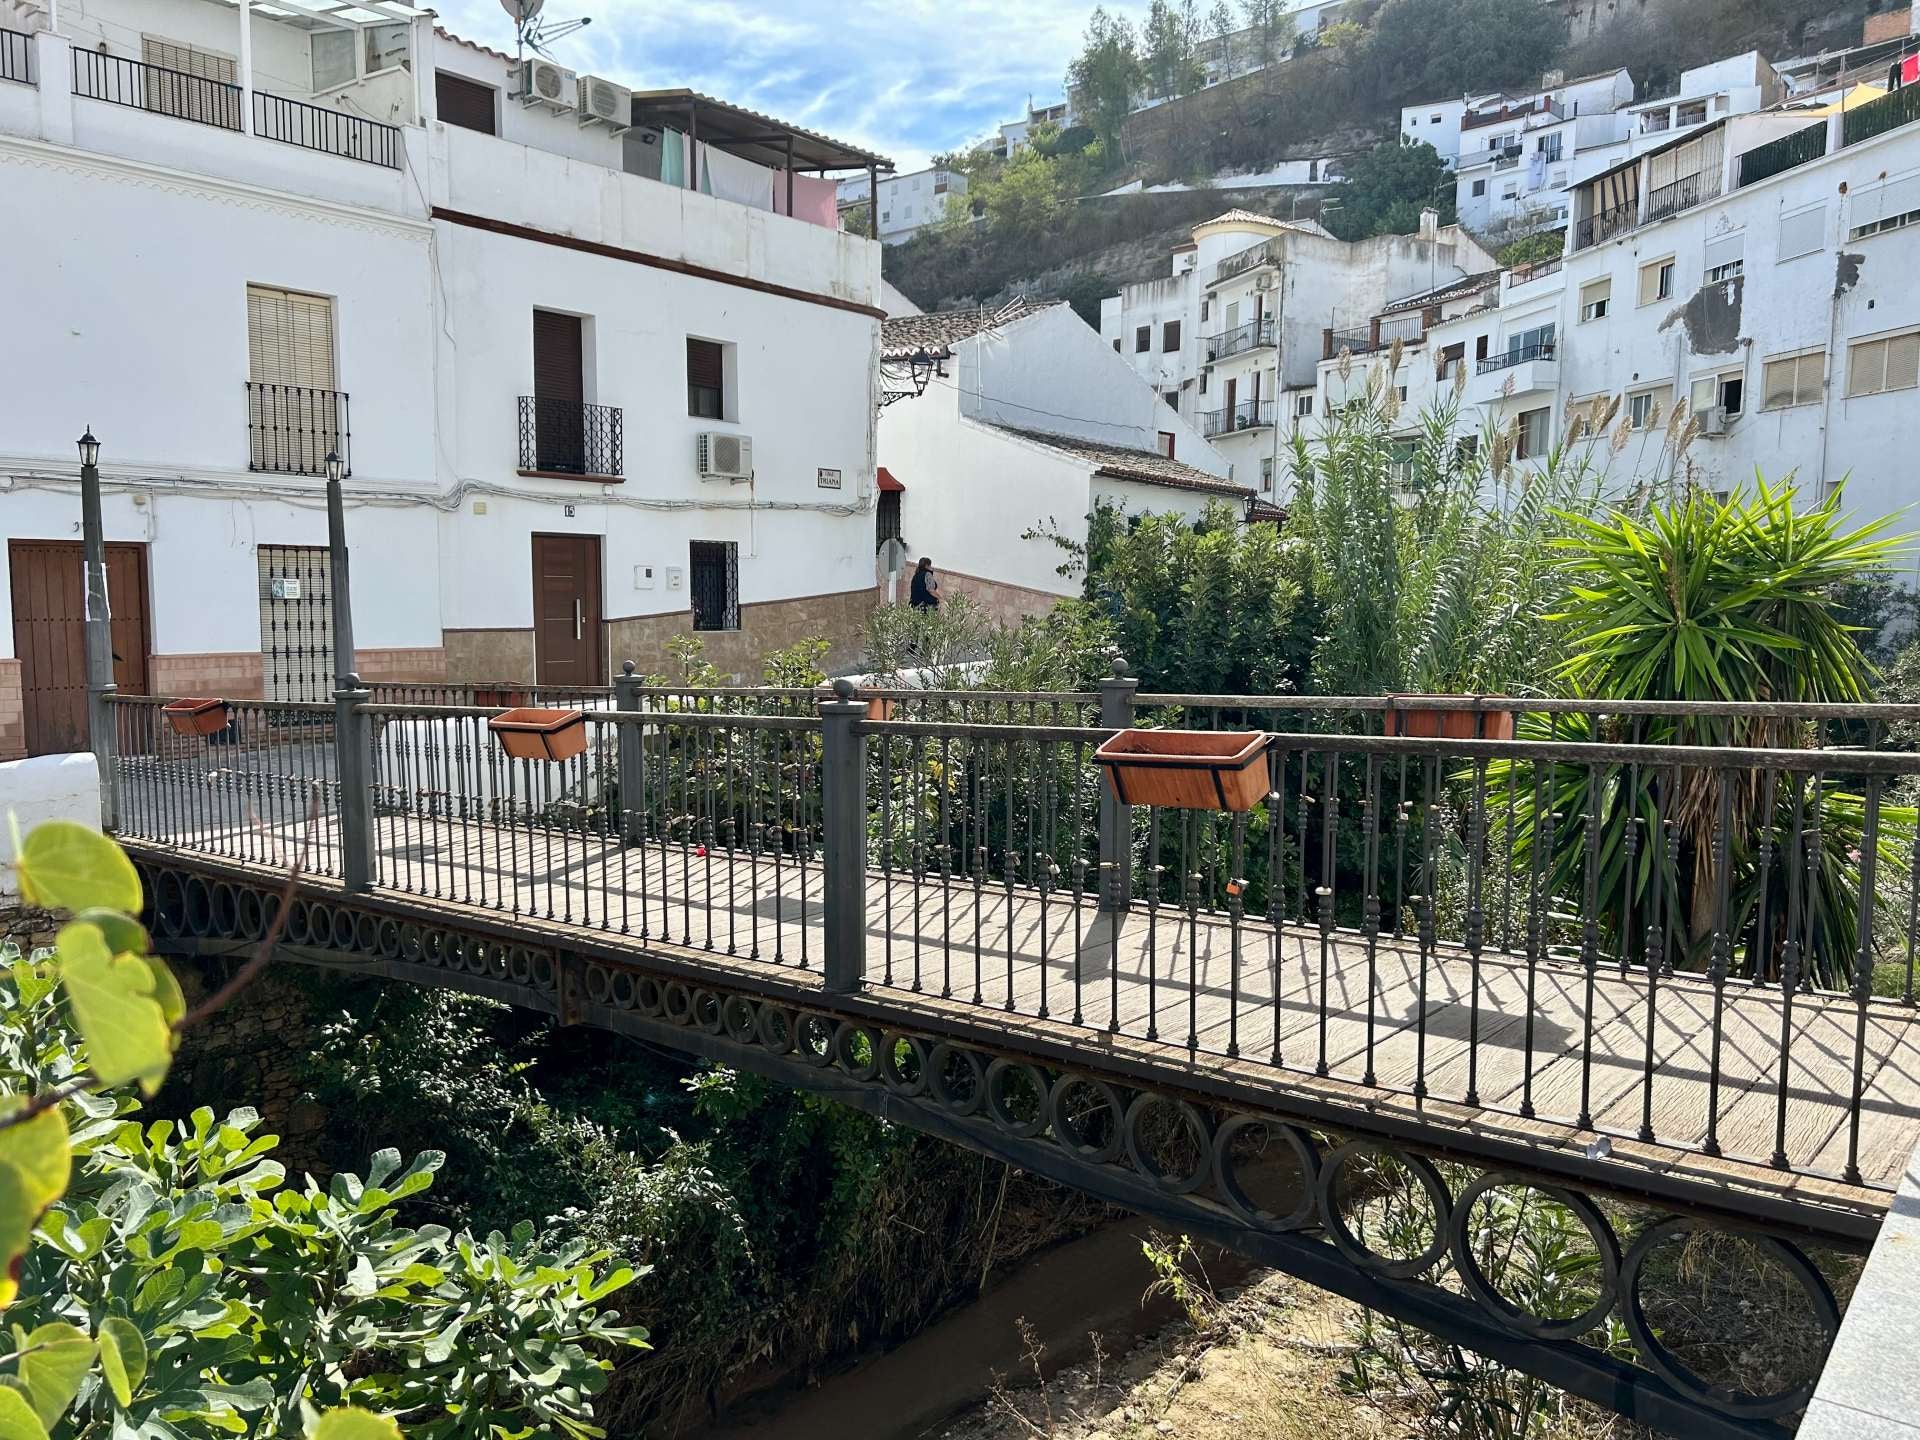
(1890, 363)
(714, 570)
(1794, 380)
(706, 379)
(886, 519)
(296, 622)
(296, 414)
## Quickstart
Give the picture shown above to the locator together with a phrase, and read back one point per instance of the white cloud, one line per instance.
(904, 77)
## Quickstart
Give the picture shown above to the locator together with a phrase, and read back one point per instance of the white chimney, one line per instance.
(1429, 224)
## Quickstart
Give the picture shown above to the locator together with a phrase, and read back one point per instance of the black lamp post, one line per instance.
(340, 598)
(98, 630)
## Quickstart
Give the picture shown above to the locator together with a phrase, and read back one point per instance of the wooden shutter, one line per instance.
(463, 102)
(289, 338)
(179, 92)
(558, 371)
(704, 364)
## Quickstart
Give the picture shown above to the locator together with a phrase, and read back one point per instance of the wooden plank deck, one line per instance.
(1343, 1019)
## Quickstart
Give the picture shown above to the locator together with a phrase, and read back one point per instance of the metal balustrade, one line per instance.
(291, 429)
(1253, 335)
(1604, 224)
(1507, 359)
(566, 437)
(1683, 194)
(16, 56)
(156, 89)
(1244, 415)
(332, 132)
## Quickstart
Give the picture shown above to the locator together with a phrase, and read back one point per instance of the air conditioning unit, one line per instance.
(1263, 281)
(544, 83)
(720, 456)
(605, 103)
(1713, 420)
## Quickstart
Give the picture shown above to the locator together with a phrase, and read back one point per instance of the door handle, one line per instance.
(579, 619)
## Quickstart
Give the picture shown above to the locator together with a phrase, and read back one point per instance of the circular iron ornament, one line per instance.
(224, 909)
(499, 963)
(319, 923)
(1227, 1180)
(706, 1012)
(520, 965)
(907, 1079)
(458, 948)
(411, 942)
(366, 934)
(1196, 1127)
(252, 915)
(389, 939)
(344, 929)
(599, 984)
(622, 990)
(1067, 1133)
(776, 1029)
(434, 945)
(298, 928)
(648, 997)
(676, 1002)
(846, 1049)
(199, 907)
(1515, 1318)
(543, 970)
(999, 1099)
(165, 903)
(736, 1013)
(1349, 1244)
(813, 1038)
(1669, 1366)
(961, 1099)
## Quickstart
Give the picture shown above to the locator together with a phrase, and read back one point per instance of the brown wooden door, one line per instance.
(559, 391)
(49, 634)
(1233, 421)
(566, 610)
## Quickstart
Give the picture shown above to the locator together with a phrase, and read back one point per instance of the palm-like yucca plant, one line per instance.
(1704, 599)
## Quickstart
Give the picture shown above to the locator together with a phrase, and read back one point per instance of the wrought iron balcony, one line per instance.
(1247, 415)
(332, 132)
(1605, 224)
(1506, 360)
(154, 88)
(1254, 335)
(567, 437)
(291, 429)
(1683, 194)
(16, 56)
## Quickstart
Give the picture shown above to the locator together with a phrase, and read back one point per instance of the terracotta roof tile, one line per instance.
(1118, 462)
(938, 333)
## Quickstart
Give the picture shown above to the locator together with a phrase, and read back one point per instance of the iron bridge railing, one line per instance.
(1685, 925)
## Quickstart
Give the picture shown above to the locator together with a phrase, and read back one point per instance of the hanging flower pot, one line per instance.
(1187, 769)
(197, 716)
(1489, 717)
(530, 733)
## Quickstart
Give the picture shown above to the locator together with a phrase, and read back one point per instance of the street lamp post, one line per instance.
(98, 628)
(341, 600)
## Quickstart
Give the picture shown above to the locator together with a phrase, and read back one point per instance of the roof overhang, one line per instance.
(749, 134)
(333, 14)
(887, 483)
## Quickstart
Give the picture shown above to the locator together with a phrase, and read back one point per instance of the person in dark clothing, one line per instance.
(925, 594)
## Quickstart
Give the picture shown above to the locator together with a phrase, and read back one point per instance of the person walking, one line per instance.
(925, 592)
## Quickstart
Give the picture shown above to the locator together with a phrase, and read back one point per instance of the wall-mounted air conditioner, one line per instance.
(1713, 420)
(1263, 281)
(541, 82)
(604, 103)
(719, 456)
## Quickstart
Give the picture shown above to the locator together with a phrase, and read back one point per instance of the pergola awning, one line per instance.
(334, 14)
(749, 134)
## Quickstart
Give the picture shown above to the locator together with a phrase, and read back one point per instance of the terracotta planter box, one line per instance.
(197, 717)
(879, 708)
(1407, 715)
(535, 734)
(1187, 769)
(485, 696)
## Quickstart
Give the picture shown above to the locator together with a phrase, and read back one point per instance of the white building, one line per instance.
(1755, 271)
(258, 235)
(1016, 135)
(1026, 424)
(1516, 153)
(1233, 336)
(908, 203)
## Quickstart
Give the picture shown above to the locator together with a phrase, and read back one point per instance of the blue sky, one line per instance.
(905, 77)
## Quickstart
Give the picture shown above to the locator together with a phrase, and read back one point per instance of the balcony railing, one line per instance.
(1246, 260)
(1538, 270)
(291, 429)
(16, 56)
(332, 132)
(1252, 336)
(1506, 360)
(566, 437)
(1492, 155)
(1474, 121)
(1683, 194)
(140, 86)
(1247, 415)
(1876, 117)
(1603, 224)
(1783, 154)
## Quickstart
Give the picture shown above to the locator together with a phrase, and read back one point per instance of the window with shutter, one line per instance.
(706, 379)
(1793, 380)
(294, 410)
(1876, 366)
(1596, 297)
(1803, 232)
(1725, 257)
(1170, 336)
(1656, 282)
(1890, 205)
(463, 102)
(193, 84)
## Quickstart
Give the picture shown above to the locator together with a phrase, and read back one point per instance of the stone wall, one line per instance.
(235, 675)
(28, 927)
(1007, 604)
(839, 618)
(488, 654)
(13, 719)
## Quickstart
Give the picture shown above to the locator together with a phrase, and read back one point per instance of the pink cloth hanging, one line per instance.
(815, 200)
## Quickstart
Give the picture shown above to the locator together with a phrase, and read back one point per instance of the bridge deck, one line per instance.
(1335, 1025)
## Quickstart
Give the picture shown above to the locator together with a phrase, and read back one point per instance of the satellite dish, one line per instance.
(521, 11)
